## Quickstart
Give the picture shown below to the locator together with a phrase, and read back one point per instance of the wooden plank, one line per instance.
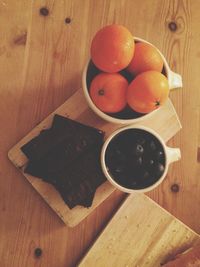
(141, 234)
(166, 115)
(14, 38)
(182, 52)
(37, 77)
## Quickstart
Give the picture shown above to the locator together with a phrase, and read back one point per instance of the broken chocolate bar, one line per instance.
(67, 156)
(63, 131)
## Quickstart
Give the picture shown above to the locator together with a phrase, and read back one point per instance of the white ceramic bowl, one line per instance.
(174, 80)
(171, 155)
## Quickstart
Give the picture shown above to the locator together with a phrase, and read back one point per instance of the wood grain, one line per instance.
(183, 56)
(132, 238)
(158, 121)
(39, 75)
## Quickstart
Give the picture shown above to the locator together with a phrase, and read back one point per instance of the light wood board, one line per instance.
(141, 234)
(77, 108)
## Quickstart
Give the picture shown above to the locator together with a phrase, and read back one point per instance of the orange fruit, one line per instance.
(146, 57)
(112, 48)
(108, 92)
(148, 91)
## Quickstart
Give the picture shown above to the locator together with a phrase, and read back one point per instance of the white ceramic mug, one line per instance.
(174, 79)
(171, 155)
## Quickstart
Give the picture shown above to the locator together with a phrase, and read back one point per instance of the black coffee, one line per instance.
(135, 159)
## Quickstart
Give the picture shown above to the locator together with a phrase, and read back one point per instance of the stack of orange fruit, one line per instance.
(113, 50)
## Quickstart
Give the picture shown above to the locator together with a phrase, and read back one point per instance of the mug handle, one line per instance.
(175, 80)
(173, 154)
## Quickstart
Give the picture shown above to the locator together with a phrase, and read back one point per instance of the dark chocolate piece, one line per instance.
(68, 156)
(37, 144)
(64, 132)
(76, 183)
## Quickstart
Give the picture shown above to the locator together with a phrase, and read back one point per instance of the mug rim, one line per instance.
(109, 177)
(107, 117)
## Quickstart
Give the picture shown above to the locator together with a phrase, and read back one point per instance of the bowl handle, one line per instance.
(173, 154)
(175, 80)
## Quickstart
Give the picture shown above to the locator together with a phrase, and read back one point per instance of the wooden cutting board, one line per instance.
(165, 122)
(141, 234)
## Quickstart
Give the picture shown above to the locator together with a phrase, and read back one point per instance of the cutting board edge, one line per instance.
(175, 112)
(147, 198)
(44, 124)
(71, 224)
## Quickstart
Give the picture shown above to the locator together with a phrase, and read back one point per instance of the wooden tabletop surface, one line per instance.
(44, 45)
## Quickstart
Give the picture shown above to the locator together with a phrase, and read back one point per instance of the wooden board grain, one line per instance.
(39, 74)
(165, 116)
(140, 234)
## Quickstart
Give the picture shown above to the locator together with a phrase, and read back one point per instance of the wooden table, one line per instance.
(44, 46)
